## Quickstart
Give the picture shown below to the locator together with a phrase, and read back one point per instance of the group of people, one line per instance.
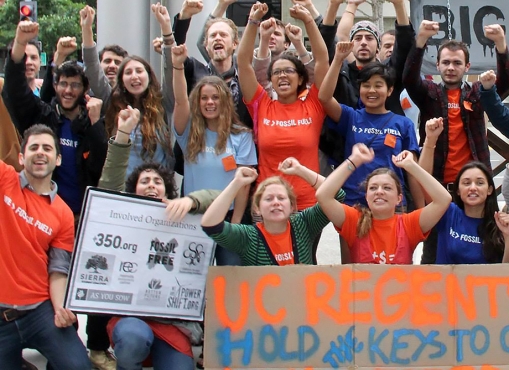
(273, 144)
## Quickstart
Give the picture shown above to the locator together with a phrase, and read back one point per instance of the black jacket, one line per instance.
(28, 109)
(347, 88)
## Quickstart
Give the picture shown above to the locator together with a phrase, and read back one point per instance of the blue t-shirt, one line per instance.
(388, 134)
(458, 238)
(135, 156)
(67, 174)
(208, 172)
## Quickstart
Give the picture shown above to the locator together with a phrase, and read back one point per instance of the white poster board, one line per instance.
(130, 260)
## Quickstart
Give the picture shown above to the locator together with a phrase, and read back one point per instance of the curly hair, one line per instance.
(153, 127)
(229, 122)
(299, 66)
(166, 175)
(366, 219)
(492, 238)
(71, 68)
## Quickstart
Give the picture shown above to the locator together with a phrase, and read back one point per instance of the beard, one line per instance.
(74, 105)
(365, 57)
(220, 54)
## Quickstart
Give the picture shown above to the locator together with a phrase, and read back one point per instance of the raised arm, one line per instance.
(502, 220)
(347, 19)
(115, 166)
(24, 107)
(331, 12)
(267, 27)
(168, 41)
(216, 213)
(296, 37)
(401, 13)
(318, 46)
(497, 112)
(495, 33)
(183, 20)
(220, 9)
(99, 83)
(327, 192)
(291, 166)
(262, 56)
(326, 93)
(182, 111)
(434, 128)
(308, 4)
(247, 77)
(440, 197)
(65, 46)
(412, 80)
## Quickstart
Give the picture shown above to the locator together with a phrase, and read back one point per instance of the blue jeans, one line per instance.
(225, 257)
(62, 347)
(134, 341)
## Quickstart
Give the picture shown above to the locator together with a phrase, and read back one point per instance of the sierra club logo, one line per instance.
(97, 269)
(97, 262)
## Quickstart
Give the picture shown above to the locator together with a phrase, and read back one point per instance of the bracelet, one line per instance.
(316, 181)
(429, 147)
(178, 69)
(353, 164)
(348, 11)
(168, 34)
(254, 21)
(124, 132)
(304, 55)
(308, 22)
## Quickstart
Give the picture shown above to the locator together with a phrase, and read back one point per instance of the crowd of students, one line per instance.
(273, 144)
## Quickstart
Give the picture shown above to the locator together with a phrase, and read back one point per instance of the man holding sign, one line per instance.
(37, 236)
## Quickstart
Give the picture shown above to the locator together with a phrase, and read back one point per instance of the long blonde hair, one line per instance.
(229, 122)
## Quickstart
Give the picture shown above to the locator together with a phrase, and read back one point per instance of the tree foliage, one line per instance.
(56, 18)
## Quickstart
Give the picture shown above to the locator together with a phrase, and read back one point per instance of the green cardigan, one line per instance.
(114, 174)
(248, 242)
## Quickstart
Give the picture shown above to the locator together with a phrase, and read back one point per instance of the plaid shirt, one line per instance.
(431, 98)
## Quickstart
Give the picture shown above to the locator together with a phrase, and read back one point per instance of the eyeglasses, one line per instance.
(287, 71)
(74, 85)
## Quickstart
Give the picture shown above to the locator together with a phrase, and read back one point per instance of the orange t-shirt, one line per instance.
(382, 236)
(288, 130)
(280, 245)
(29, 225)
(459, 149)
